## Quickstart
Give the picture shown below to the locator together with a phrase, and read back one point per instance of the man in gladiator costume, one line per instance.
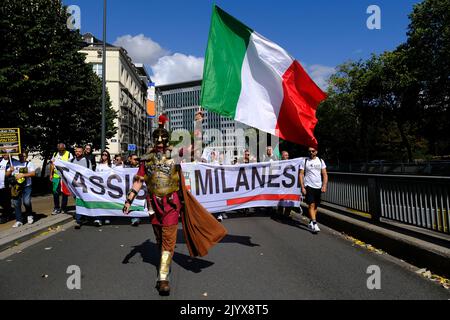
(169, 199)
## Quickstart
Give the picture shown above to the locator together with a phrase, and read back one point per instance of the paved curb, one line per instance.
(29, 232)
(434, 256)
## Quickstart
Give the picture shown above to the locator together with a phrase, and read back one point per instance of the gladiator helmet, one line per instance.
(160, 135)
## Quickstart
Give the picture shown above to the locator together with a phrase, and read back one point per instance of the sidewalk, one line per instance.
(422, 248)
(42, 207)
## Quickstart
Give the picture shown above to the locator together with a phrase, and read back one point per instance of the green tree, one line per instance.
(428, 50)
(395, 105)
(46, 88)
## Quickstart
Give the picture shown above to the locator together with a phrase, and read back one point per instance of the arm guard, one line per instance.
(133, 194)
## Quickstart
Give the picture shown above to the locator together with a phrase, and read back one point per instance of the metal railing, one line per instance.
(421, 168)
(422, 201)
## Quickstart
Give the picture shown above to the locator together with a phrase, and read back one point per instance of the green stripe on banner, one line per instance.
(104, 205)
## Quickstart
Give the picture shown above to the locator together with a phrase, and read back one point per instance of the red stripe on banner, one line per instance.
(293, 197)
(297, 118)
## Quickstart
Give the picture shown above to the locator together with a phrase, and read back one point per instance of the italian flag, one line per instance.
(254, 81)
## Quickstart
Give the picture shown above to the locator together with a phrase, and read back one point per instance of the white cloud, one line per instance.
(177, 68)
(165, 67)
(141, 49)
(173, 68)
(320, 74)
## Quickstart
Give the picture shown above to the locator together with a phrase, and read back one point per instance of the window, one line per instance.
(98, 69)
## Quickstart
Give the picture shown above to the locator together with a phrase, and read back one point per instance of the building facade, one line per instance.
(126, 83)
(180, 101)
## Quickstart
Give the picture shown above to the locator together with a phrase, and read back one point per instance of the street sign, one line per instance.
(131, 147)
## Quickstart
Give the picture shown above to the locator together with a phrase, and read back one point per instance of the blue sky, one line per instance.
(170, 36)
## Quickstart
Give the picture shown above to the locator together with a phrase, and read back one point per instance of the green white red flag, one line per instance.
(252, 80)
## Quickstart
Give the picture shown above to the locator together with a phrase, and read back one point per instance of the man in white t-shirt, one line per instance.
(22, 171)
(313, 181)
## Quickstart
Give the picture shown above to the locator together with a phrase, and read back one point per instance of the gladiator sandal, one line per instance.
(164, 268)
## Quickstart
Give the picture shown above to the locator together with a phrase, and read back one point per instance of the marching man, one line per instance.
(164, 182)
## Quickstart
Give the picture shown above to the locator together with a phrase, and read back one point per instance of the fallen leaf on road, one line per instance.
(420, 271)
(100, 230)
(48, 248)
(261, 254)
(20, 251)
(122, 245)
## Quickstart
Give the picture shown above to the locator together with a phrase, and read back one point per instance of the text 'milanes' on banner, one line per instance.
(9, 141)
(102, 193)
(224, 188)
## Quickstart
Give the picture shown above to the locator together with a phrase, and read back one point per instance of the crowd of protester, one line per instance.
(16, 180)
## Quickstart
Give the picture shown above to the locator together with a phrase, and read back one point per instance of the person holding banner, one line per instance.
(55, 178)
(81, 160)
(162, 177)
(103, 165)
(284, 212)
(134, 163)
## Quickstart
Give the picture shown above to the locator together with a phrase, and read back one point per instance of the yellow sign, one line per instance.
(10, 141)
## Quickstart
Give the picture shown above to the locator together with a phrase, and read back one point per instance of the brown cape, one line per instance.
(201, 229)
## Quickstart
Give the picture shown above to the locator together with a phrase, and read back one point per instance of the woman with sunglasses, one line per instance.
(105, 162)
(103, 165)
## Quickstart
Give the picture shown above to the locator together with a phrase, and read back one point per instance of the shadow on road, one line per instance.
(290, 222)
(244, 240)
(150, 253)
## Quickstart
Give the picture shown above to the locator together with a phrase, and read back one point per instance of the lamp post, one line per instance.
(103, 142)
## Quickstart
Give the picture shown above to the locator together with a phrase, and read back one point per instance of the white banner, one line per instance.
(102, 193)
(230, 187)
(217, 187)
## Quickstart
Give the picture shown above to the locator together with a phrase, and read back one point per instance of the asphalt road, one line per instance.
(260, 259)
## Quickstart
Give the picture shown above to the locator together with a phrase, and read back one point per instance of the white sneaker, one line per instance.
(97, 223)
(30, 219)
(17, 224)
(316, 227)
(220, 218)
